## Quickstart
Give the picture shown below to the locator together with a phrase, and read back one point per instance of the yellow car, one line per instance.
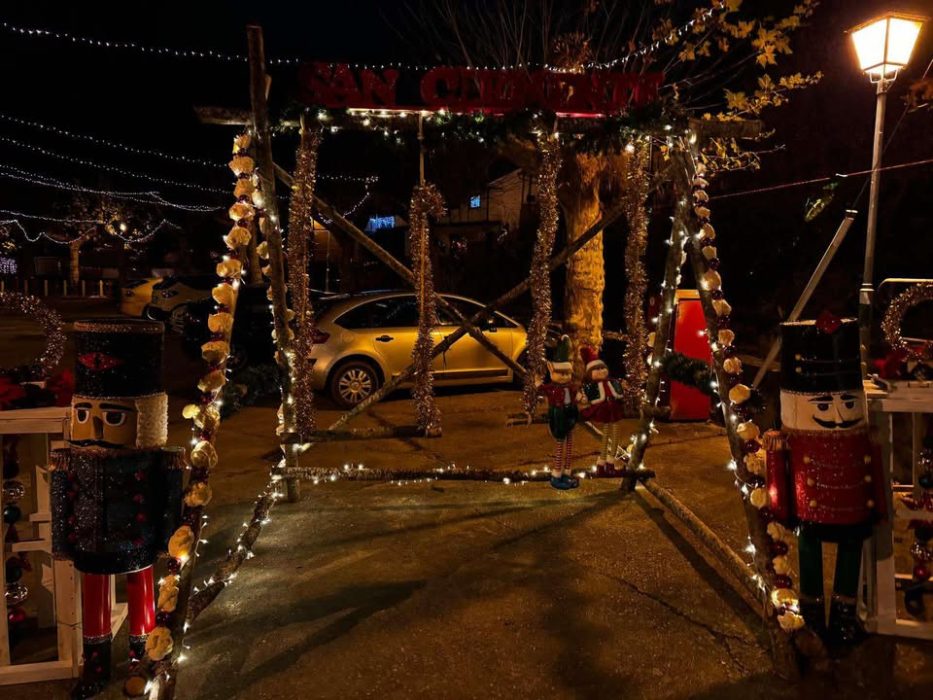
(135, 296)
(362, 340)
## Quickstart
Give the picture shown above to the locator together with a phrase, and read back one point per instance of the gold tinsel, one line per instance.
(300, 233)
(426, 201)
(540, 275)
(635, 202)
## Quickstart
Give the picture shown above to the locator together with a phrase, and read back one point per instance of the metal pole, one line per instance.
(808, 291)
(866, 292)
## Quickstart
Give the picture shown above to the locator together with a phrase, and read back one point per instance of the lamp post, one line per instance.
(883, 46)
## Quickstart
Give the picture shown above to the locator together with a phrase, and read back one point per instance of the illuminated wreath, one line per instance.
(43, 365)
(894, 317)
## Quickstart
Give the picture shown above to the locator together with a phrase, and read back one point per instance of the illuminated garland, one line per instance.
(164, 643)
(300, 234)
(635, 199)
(425, 201)
(540, 275)
(748, 463)
(894, 318)
(68, 241)
(51, 322)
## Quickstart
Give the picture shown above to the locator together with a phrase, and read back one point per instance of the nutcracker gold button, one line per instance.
(868, 478)
(870, 503)
(811, 481)
(813, 503)
(867, 459)
(806, 459)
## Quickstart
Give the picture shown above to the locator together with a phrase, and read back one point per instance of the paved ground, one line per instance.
(482, 590)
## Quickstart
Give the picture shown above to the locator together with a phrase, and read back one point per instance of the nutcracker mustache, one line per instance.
(833, 425)
(96, 443)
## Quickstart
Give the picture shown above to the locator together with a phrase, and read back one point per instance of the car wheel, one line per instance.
(353, 382)
(176, 318)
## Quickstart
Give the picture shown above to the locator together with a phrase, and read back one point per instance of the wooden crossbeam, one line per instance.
(556, 261)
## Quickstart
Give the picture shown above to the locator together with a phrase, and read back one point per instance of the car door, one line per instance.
(468, 359)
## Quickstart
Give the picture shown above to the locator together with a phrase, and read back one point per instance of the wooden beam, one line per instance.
(231, 116)
(556, 261)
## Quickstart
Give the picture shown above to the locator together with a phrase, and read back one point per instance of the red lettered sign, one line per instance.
(460, 89)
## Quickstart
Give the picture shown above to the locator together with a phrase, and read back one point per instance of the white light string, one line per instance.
(223, 57)
(42, 234)
(176, 157)
(349, 212)
(109, 168)
(149, 197)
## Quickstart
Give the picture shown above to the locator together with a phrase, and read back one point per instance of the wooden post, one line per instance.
(785, 658)
(272, 233)
(556, 261)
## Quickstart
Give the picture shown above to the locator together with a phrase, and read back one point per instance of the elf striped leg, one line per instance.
(568, 454)
(605, 455)
(558, 458)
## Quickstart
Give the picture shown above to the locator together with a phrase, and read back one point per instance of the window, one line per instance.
(468, 308)
(394, 312)
(475, 202)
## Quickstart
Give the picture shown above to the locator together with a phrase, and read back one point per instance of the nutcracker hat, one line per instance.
(820, 355)
(561, 356)
(120, 358)
(590, 358)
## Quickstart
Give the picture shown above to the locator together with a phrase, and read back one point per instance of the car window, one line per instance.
(468, 308)
(393, 312)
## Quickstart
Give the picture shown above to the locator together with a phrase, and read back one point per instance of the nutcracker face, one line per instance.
(827, 410)
(561, 372)
(110, 423)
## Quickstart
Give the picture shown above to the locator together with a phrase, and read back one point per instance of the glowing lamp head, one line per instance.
(883, 45)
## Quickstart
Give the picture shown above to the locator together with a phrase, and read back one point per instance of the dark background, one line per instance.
(767, 249)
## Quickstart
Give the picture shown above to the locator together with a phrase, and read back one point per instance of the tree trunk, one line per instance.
(74, 266)
(586, 277)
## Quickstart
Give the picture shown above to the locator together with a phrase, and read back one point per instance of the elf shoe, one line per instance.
(558, 482)
(572, 481)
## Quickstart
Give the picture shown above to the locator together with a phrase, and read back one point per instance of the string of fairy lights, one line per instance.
(111, 229)
(222, 57)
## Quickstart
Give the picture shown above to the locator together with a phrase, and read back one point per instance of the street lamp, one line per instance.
(883, 46)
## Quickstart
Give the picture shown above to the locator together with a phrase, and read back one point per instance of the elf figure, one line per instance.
(601, 404)
(116, 491)
(824, 477)
(561, 395)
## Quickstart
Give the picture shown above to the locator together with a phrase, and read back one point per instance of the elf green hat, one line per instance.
(562, 353)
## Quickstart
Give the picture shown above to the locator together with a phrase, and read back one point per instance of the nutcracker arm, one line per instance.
(778, 475)
(61, 506)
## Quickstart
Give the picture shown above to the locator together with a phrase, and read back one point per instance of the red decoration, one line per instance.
(462, 89)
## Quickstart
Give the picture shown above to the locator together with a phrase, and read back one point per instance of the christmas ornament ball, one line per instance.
(11, 514)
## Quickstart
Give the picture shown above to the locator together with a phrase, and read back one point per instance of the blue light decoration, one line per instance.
(377, 223)
(475, 202)
(8, 265)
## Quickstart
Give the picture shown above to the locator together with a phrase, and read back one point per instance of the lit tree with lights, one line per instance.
(708, 51)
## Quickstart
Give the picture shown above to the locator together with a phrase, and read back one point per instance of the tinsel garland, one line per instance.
(300, 234)
(540, 275)
(426, 201)
(635, 200)
(34, 310)
(894, 318)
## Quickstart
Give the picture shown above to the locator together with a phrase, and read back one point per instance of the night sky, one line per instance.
(147, 102)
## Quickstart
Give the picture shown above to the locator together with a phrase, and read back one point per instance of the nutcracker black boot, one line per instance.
(813, 611)
(96, 672)
(845, 628)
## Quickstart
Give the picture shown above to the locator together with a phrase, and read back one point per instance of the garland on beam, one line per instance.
(164, 644)
(425, 201)
(635, 201)
(540, 274)
(300, 235)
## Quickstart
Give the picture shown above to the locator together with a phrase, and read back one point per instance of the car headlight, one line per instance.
(169, 293)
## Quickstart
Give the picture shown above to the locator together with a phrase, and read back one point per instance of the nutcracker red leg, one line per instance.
(140, 595)
(95, 612)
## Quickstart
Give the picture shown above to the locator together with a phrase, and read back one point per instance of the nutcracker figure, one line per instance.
(824, 477)
(601, 404)
(561, 395)
(116, 490)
